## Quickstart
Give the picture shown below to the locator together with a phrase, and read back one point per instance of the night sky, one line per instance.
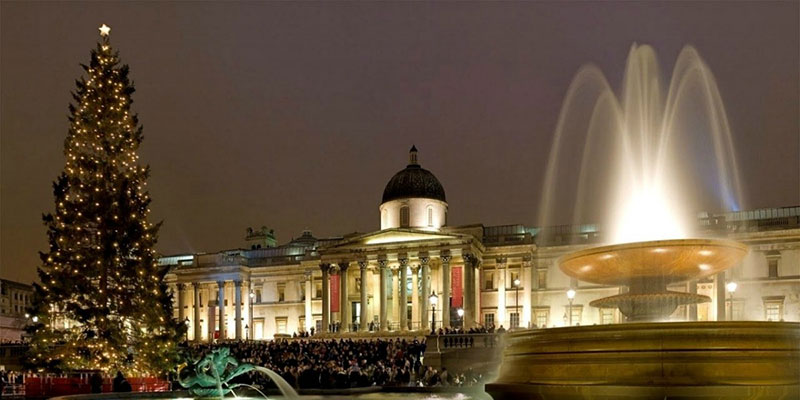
(295, 116)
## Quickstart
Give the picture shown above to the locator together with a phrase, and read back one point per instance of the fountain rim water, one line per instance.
(651, 243)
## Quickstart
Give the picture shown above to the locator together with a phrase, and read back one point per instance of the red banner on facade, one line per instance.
(334, 293)
(455, 283)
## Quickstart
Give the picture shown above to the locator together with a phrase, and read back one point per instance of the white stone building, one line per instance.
(15, 299)
(500, 275)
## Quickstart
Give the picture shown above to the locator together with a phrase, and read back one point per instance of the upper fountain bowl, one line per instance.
(667, 260)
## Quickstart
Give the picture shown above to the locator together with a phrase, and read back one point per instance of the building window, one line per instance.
(258, 296)
(317, 290)
(488, 278)
(514, 275)
(318, 325)
(430, 216)
(514, 320)
(281, 292)
(301, 323)
(773, 267)
(488, 320)
(542, 278)
(280, 324)
(542, 316)
(773, 308)
(606, 316)
(404, 217)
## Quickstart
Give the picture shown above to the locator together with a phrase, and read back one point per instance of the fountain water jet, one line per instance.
(642, 171)
(637, 176)
(647, 186)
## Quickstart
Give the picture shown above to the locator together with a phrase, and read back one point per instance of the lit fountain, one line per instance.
(646, 160)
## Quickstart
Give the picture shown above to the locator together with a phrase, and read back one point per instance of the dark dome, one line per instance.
(413, 181)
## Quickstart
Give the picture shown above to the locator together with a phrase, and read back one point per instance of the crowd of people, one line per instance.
(339, 364)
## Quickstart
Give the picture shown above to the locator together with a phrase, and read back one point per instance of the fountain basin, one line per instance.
(731, 359)
(646, 268)
(665, 261)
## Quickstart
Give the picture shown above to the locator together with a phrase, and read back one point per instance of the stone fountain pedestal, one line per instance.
(673, 360)
(652, 360)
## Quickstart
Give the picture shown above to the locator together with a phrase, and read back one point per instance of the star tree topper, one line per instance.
(104, 30)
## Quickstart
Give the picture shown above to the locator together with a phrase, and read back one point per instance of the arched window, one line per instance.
(430, 216)
(404, 217)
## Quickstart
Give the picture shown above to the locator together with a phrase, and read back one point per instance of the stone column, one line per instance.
(426, 290)
(470, 265)
(501, 292)
(238, 308)
(249, 299)
(692, 288)
(720, 295)
(395, 295)
(525, 281)
(211, 328)
(221, 306)
(403, 294)
(362, 266)
(326, 303)
(382, 264)
(444, 298)
(415, 314)
(181, 316)
(375, 292)
(309, 314)
(197, 334)
(344, 303)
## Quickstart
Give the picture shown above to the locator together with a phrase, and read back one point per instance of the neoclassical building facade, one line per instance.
(489, 275)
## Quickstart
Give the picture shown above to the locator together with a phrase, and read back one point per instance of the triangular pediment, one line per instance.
(396, 235)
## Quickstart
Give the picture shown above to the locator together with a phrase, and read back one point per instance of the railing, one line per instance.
(14, 389)
(464, 341)
(49, 386)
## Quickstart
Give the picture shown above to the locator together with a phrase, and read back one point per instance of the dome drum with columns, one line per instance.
(371, 283)
(413, 198)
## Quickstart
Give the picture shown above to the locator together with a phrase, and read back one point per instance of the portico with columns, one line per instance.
(414, 265)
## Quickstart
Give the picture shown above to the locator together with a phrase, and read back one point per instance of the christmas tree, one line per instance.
(102, 302)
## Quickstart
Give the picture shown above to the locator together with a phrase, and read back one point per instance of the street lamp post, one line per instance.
(460, 313)
(250, 315)
(516, 300)
(186, 322)
(731, 286)
(246, 332)
(570, 296)
(433, 299)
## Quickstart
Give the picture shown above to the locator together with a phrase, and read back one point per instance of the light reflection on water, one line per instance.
(424, 396)
(376, 396)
